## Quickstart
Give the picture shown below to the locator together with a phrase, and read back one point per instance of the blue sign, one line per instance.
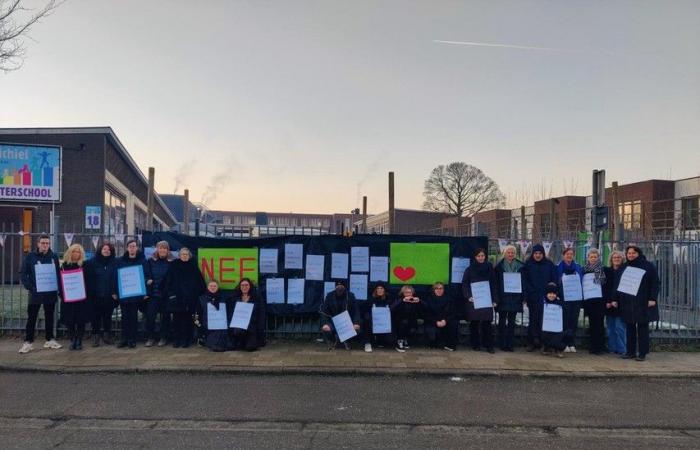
(93, 217)
(131, 282)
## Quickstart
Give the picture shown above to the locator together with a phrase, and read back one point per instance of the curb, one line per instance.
(341, 372)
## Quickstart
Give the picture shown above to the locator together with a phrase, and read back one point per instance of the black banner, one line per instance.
(379, 245)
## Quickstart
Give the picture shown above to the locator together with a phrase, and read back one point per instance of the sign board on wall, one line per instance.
(93, 217)
(30, 173)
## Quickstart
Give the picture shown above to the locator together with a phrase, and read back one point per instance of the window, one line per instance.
(140, 220)
(114, 213)
(545, 226)
(631, 215)
(690, 208)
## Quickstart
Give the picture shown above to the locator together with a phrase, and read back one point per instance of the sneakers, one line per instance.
(573, 349)
(162, 343)
(96, 340)
(52, 344)
(449, 349)
(26, 347)
(400, 346)
(569, 349)
(149, 343)
(368, 348)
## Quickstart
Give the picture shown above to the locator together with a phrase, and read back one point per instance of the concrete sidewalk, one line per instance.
(304, 357)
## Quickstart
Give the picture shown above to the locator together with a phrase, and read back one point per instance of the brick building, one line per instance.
(406, 221)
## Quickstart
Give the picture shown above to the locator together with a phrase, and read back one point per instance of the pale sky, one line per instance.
(305, 106)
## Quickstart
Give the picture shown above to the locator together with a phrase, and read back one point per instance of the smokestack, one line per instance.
(391, 203)
(150, 197)
(186, 212)
(364, 214)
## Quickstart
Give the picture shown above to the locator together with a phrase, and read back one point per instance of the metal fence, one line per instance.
(678, 263)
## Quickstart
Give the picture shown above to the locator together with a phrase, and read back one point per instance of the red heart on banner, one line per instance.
(404, 273)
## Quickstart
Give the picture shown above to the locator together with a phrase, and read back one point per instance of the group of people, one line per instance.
(176, 298)
(509, 287)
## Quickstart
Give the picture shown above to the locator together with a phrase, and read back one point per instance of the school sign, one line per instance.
(30, 173)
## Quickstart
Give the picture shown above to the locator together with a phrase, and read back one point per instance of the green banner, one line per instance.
(228, 265)
(414, 263)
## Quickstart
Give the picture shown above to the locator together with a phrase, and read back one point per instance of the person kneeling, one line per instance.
(213, 315)
(248, 325)
(440, 322)
(552, 323)
(337, 302)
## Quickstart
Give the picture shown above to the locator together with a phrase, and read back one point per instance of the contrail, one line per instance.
(519, 47)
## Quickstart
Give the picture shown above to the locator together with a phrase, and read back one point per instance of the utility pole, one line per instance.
(391, 203)
(598, 212)
(186, 212)
(150, 197)
(364, 214)
(617, 223)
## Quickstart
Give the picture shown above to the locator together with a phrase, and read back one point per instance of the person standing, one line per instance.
(100, 274)
(184, 285)
(538, 273)
(75, 314)
(156, 305)
(572, 308)
(480, 319)
(615, 326)
(594, 307)
(510, 298)
(641, 308)
(39, 297)
(129, 303)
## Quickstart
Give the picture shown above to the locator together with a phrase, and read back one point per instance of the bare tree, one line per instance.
(460, 189)
(16, 21)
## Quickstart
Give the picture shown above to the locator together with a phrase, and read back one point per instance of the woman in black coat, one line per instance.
(129, 305)
(439, 320)
(216, 340)
(509, 304)
(378, 299)
(480, 320)
(100, 271)
(640, 309)
(75, 314)
(594, 307)
(251, 338)
(183, 284)
(538, 273)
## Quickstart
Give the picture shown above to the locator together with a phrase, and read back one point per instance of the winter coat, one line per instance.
(508, 302)
(258, 320)
(126, 261)
(79, 312)
(29, 279)
(634, 308)
(536, 275)
(595, 307)
(610, 293)
(475, 273)
(159, 270)
(216, 340)
(100, 276)
(333, 305)
(183, 285)
(438, 308)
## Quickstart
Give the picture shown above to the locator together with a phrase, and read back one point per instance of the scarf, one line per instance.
(512, 266)
(597, 270)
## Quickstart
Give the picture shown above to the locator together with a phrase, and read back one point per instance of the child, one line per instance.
(552, 341)
(214, 314)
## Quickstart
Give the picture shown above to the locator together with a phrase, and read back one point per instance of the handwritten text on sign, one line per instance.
(228, 265)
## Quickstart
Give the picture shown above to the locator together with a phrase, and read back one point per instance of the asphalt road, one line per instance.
(245, 411)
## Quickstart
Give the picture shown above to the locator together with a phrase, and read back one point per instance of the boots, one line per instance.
(73, 343)
(96, 340)
(79, 343)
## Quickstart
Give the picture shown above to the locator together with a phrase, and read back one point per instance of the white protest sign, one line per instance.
(381, 320)
(459, 265)
(131, 282)
(339, 266)
(630, 280)
(73, 283)
(512, 283)
(45, 278)
(274, 290)
(358, 285)
(242, 313)
(590, 288)
(552, 318)
(359, 259)
(343, 326)
(216, 318)
(314, 267)
(293, 256)
(572, 288)
(268, 260)
(295, 291)
(379, 268)
(481, 293)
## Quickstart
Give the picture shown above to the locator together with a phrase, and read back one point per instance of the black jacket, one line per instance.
(635, 309)
(183, 285)
(29, 280)
(333, 305)
(508, 302)
(536, 275)
(100, 276)
(257, 319)
(437, 308)
(159, 271)
(474, 274)
(610, 293)
(125, 261)
(79, 312)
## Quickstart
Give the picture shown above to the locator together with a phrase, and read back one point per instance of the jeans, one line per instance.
(130, 320)
(33, 315)
(617, 334)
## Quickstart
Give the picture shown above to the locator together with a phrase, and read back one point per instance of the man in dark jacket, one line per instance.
(38, 296)
(539, 271)
(336, 302)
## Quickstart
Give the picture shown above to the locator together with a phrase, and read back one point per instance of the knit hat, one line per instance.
(551, 287)
(538, 248)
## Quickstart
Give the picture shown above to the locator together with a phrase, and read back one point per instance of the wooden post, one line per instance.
(523, 223)
(186, 212)
(150, 197)
(364, 214)
(617, 236)
(392, 225)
